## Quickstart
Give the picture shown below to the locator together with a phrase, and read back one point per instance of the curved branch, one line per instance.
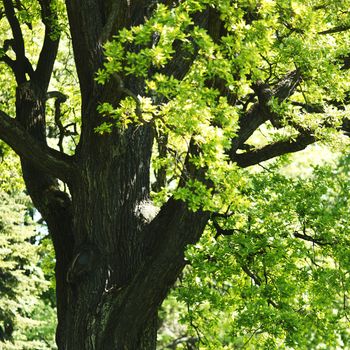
(311, 239)
(50, 45)
(10, 62)
(21, 65)
(60, 98)
(338, 29)
(274, 150)
(44, 157)
(260, 112)
(18, 46)
(223, 232)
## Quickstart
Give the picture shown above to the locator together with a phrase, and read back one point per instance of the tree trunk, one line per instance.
(114, 267)
(122, 265)
(96, 270)
(113, 182)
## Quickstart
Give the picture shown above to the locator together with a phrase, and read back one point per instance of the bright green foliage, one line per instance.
(280, 280)
(262, 41)
(22, 280)
(25, 321)
(171, 329)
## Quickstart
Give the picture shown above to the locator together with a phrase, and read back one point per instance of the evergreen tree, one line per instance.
(22, 280)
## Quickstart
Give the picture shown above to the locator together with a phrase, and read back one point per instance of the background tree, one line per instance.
(24, 315)
(198, 78)
(275, 276)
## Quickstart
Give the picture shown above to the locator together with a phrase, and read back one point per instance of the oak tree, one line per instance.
(171, 94)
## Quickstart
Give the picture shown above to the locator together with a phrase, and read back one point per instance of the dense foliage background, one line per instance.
(27, 301)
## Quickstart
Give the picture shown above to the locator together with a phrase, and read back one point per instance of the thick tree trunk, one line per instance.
(95, 268)
(113, 184)
(122, 266)
(113, 267)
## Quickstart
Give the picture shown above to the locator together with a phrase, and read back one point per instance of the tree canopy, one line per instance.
(277, 276)
(153, 138)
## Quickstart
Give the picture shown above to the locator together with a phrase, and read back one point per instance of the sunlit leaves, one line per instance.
(261, 42)
(22, 280)
(280, 279)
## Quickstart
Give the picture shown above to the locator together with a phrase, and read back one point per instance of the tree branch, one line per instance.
(223, 232)
(50, 45)
(44, 157)
(308, 238)
(18, 45)
(10, 62)
(21, 65)
(260, 112)
(274, 150)
(338, 29)
(254, 277)
(60, 98)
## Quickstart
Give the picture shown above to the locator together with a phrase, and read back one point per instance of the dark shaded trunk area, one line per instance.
(44, 190)
(112, 186)
(114, 267)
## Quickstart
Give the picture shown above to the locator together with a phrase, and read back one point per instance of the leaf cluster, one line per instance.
(274, 274)
(201, 81)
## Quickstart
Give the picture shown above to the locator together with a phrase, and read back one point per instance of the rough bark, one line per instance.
(53, 204)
